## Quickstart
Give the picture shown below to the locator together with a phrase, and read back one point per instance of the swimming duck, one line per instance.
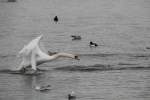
(71, 96)
(92, 44)
(56, 19)
(76, 37)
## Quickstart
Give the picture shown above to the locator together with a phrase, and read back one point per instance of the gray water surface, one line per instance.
(116, 70)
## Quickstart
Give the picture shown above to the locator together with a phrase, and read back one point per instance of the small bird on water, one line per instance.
(55, 19)
(92, 44)
(71, 96)
(76, 37)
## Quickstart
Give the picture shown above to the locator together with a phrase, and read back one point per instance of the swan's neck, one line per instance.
(47, 58)
(55, 56)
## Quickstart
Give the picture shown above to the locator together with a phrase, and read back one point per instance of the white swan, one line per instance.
(32, 55)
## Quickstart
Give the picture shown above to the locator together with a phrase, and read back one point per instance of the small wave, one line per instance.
(75, 68)
(118, 54)
(84, 68)
(6, 55)
(140, 55)
(98, 67)
(99, 54)
(126, 64)
(9, 71)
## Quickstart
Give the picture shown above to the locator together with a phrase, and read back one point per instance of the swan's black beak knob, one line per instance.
(77, 57)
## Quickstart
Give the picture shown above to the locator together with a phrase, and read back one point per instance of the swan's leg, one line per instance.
(33, 61)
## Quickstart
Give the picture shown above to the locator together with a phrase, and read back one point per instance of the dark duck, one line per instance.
(76, 37)
(55, 19)
(71, 96)
(92, 44)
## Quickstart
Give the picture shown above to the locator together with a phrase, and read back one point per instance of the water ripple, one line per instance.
(99, 67)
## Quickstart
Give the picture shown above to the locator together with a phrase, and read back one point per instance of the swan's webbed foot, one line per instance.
(28, 71)
(31, 71)
(22, 70)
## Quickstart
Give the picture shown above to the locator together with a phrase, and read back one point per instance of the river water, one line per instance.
(118, 69)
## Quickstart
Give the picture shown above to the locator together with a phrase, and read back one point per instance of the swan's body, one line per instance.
(32, 55)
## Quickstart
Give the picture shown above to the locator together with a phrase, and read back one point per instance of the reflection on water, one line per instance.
(118, 70)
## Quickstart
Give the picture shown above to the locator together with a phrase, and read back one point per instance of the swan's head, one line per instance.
(73, 56)
(56, 55)
(76, 57)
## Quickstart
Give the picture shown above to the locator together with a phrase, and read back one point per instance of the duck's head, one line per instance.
(91, 42)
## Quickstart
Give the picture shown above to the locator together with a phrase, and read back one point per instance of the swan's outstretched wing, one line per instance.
(28, 53)
(42, 47)
(27, 49)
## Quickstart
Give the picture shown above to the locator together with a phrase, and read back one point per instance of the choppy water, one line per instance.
(118, 70)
